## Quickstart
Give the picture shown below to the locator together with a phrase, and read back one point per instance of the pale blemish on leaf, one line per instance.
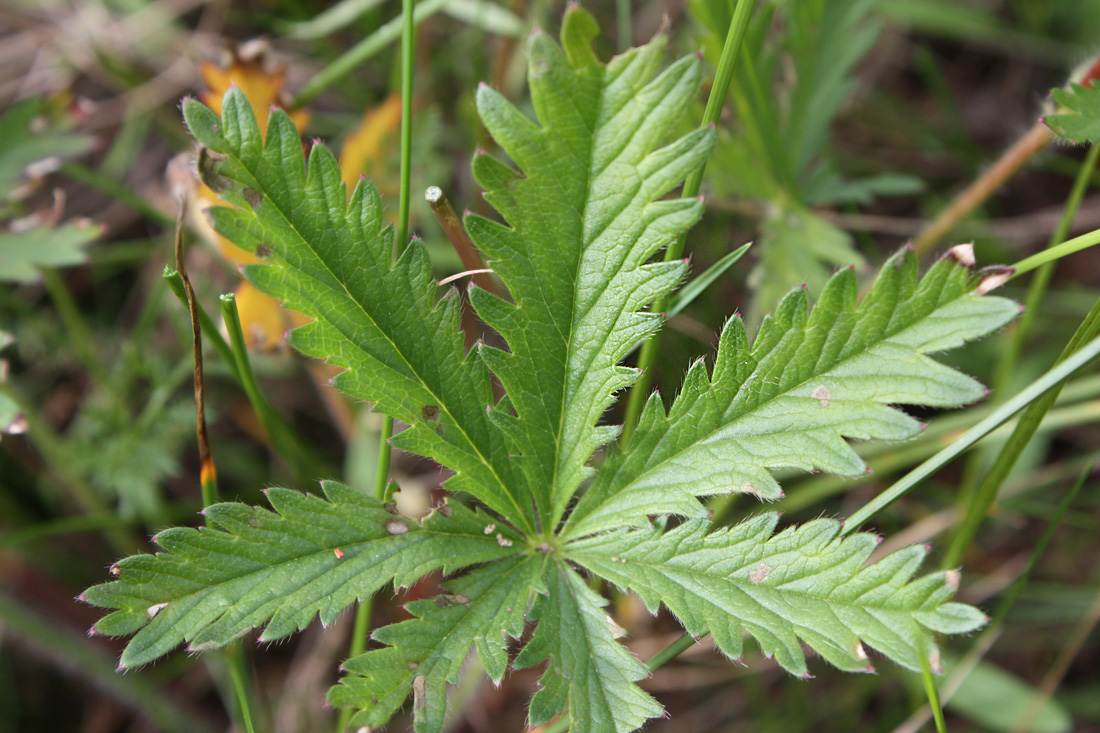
(420, 699)
(396, 526)
(756, 577)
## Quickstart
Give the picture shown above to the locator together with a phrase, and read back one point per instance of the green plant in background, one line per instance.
(9, 411)
(36, 137)
(776, 151)
(1079, 117)
(125, 456)
(533, 510)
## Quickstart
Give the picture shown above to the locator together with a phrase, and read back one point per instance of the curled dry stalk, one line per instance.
(208, 476)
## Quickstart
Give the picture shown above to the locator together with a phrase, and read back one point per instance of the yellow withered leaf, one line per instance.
(263, 320)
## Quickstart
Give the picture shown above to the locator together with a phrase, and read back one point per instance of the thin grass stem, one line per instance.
(206, 323)
(1038, 286)
(76, 327)
(1072, 246)
(280, 435)
(933, 695)
(241, 680)
(1006, 365)
(360, 52)
(986, 492)
(624, 24)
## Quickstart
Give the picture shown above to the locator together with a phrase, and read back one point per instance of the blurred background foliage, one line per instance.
(849, 125)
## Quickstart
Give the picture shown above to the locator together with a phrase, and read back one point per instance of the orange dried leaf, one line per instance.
(366, 149)
(262, 87)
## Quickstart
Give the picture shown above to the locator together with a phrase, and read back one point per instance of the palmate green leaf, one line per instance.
(587, 668)
(583, 215)
(583, 219)
(807, 382)
(428, 651)
(252, 566)
(803, 584)
(401, 346)
(1081, 122)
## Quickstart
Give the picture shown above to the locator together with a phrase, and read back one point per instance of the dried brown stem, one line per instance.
(1023, 150)
(452, 226)
(208, 474)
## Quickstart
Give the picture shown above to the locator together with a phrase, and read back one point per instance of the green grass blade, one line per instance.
(972, 436)
(1029, 422)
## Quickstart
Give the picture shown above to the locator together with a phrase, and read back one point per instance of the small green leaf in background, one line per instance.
(35, 131)
(1081, 124)
(35, 139)
(798, 246)
(9, 411)
(128, 456)
(23, 253)
(776, 148)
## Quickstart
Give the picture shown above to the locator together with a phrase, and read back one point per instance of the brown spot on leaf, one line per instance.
(207, 165)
